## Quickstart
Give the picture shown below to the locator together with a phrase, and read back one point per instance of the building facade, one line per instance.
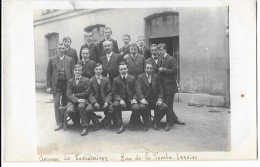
(196, 37)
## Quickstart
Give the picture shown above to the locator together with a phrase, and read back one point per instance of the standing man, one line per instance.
(155, 59)
(100, 96)
(92, 47)
(124, 91)
(135, 63)
(59, 71)
(142, 49)
(110, 62)
(168, 72)
(70, 52)
(87, 64)
(77, 91)
(125, 50)
(107, 34)
(151, 96)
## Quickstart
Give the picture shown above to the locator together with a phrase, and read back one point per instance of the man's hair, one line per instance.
(122, 64)
(66, 39)
(78, 66)
(153, 45)
(84, 49)
(60, 43)
(148, 63)
(97, 65)
(126, 35)
(108, 28)
(141, 36)
(133, 44)
(109, 42)
(162, 45)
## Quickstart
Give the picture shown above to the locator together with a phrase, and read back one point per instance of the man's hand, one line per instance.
(96, 106)
(81, 101)
(144, 102)
(105, 105)
(159, 102)
(133, 101)
(122, 102)
(49, 90)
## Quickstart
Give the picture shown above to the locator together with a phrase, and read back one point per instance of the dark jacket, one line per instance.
(93, 51)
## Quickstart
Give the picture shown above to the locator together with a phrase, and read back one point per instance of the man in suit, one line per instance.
(87, 64)
(125, 50)
(92, 47)
(135, 63)
(168, 71)
(110, 63)
(151, 96)
(107, 34)
(59, 71)
(142, 49)
(155, 59)
(124, 91)
(70, 51)
(77, 92)
(100, 96)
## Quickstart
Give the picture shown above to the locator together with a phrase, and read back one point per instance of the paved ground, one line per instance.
(207, 129)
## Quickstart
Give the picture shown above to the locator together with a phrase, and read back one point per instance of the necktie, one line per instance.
(77, 81)
(98, 79)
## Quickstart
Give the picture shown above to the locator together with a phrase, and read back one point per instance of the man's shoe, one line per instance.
(146, 128)
(131, 127)
(155, 127)
(96, 127)
(167, 127)
(179, 122)
(121, 129)
(84, 132)
(60, 126)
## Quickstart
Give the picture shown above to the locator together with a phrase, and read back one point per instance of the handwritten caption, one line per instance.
(120, 157)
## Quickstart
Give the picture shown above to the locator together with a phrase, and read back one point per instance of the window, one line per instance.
(97, 31)
(53, 39)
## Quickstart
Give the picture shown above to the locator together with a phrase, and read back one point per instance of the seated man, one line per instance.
(124, 95)
(100, 96)
(77, 92)
(150, 94)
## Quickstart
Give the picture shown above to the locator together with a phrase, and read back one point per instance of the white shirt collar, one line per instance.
(85, 61)
(61, 58)
(147, 75)
(77, 77)
(133, 56)
(154, 59)
(89, 43)
(109, 55)
(164, 55)
(124, 76)
(98, 76)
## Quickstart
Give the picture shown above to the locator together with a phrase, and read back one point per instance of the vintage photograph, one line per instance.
(132, 80)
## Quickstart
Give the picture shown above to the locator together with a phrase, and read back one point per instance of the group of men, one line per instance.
(105, 78)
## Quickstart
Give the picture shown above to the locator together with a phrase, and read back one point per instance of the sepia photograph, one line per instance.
(136, 83)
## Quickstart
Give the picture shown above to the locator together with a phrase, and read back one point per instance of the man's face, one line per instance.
(61, 50)
(154, 51)
(89, 37)
(123, 69)
(149, 69)
(140, 41)
(133, 50)
(161, 51)
(85, 54)
(126, 40)
(107, 47)
(107, 33)
(98, 70)
(77, 71)
(67, 43)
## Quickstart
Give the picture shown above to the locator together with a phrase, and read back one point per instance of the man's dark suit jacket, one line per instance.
(156, 66)
(53, 71)
(119, 88)
(88, 68)
(73, 54)
(106, 91)
(144, 88)
(93, 51)
(101, 48)
(80, 91)
(168, 76)
(125, 50)
(135, 65)
(146, 52)
(111, 67)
